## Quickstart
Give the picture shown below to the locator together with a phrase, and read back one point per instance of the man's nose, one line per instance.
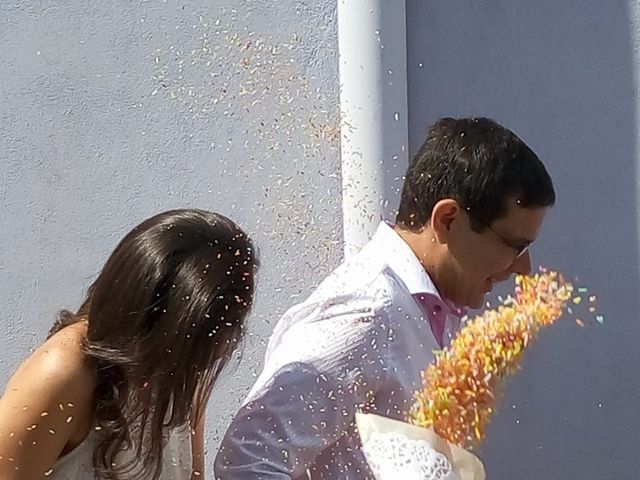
(522, 264)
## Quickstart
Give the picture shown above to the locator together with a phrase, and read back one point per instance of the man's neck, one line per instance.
(428, 252)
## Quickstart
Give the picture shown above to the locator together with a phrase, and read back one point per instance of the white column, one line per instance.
(373, 100)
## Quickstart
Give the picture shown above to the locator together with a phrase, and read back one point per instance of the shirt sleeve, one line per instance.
(303, 406)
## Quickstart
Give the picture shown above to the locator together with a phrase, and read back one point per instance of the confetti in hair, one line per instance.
(460, 387)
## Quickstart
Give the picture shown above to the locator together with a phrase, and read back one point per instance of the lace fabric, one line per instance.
(394, 449)
(393, 455)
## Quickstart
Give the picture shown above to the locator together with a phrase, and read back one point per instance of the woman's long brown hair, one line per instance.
(164, 316)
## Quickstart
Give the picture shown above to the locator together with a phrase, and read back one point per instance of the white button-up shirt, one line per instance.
(358, 343)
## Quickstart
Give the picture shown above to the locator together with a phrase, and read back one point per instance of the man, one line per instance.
(474, 199)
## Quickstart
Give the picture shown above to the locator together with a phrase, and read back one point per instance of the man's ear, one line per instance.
(444, 214)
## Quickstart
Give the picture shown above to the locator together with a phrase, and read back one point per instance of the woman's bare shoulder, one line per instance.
(59, 364)
(47, 405)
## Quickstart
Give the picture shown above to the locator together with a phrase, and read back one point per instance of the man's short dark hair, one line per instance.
(478, 163)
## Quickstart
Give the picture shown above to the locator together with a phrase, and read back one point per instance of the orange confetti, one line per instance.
(459, 393)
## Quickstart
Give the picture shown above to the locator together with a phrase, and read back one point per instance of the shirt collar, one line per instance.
(400, 258)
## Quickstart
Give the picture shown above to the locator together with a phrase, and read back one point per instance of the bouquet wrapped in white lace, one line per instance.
(395, 450)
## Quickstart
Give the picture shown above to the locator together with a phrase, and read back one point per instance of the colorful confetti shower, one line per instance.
(461, 387)
(229, 70)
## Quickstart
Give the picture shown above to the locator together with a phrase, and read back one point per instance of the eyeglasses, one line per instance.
(520, 249)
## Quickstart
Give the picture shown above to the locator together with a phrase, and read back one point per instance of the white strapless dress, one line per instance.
(177, 458)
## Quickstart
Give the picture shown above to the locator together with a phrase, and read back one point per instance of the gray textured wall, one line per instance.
(114, 111)
(563, 75)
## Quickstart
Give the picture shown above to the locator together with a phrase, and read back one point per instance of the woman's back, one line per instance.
(65, 349)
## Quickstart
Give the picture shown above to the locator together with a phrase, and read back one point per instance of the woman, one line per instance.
(119, 389)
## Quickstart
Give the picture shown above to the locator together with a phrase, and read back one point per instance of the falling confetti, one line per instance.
(258, 101)
(460, 386)
(584, 302)
(228, 72)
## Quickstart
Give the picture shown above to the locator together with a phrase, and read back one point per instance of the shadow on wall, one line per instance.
(560, 75)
